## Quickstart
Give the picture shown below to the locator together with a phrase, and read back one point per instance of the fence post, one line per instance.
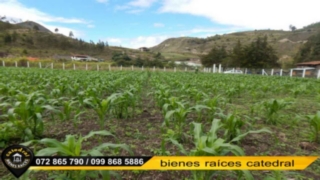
(74, 66)
(28, 65)
(121, 67)
(219, 68)
(271, 72)
(291, 72)
(63, 66)
(132, 67)
(142, 68)
(109, 67)
(16, 63)
(40, 65)
(86, 67)
(175, 70)
(281, 72)
(97, 67)
(246, 71)
(51, 65)
(154, 68)
(304, 73)
(214, 68)
(3, 64)
(318, 76)
(185, 69)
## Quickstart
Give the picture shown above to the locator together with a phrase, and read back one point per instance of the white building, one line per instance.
(188, 63)
(83, 58)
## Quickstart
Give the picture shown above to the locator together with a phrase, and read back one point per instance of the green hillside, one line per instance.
(24, 39)
(33, 25)
(31, 39)
(286, 43)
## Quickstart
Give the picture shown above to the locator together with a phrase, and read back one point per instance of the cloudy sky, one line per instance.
(136, 23)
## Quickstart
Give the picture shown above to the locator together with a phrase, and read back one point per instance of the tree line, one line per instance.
(257, 54)
(45, 40)
(123, 59)
(310, 51)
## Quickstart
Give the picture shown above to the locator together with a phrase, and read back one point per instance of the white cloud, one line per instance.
(141, 41)
(135, 11)
(114, 41)
(14, 9)
(272, 14)
(103, 1)
(91, 26)
(146, 41)
(142, 3)
(65, 31)
(158, 25)
(136, 6)
(213, 30)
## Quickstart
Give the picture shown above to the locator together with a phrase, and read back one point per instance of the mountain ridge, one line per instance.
(286, 43)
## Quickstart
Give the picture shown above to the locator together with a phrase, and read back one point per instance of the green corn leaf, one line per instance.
(180, 147)
(241, 136)
(102, 133)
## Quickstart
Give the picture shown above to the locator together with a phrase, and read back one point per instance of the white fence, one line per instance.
(306, 72)
(296, 72)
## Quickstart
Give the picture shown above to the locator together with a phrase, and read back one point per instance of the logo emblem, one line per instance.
(17, 159)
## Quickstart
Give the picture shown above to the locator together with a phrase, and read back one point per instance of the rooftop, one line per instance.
(310, 63)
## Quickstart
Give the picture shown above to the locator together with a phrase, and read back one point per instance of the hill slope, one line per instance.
(32, 25)
(23, 39)
(286, 43)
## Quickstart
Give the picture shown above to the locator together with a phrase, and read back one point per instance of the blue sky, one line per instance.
(136, 23)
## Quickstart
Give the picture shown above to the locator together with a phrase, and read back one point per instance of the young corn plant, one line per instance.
(209, 144)
(178, 117)
(272, 108)
(171, 103)
(231, 93)
(160, 95)
(233, 126)
(26, 114)
(67, 110)
(101, 107)
(72, 146)
(121, 103)
(298, 90)
(314, 121)
(199, 110)
(213, 106)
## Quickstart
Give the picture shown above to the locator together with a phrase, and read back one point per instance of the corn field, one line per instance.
(145, 113)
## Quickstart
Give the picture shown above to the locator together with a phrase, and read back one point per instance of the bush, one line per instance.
(23, 62)
(25, 52)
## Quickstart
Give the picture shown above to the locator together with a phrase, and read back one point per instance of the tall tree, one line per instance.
(310, 51)
(292, 28)
(36, 28)
(237, 54)
(7, 39)
(259, 54)
(71, 34)
(215, 56)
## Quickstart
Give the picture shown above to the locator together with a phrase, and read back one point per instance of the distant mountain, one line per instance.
(31, 39)
(33, 25)
(287, 43)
